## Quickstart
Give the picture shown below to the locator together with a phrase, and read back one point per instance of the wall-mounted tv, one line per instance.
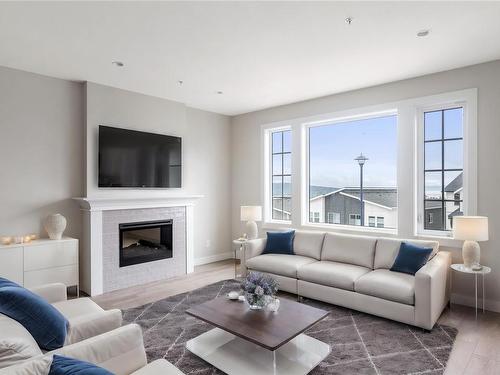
(135, 159)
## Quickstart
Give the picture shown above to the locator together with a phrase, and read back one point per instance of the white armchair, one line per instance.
(120, 351)
(86, 318)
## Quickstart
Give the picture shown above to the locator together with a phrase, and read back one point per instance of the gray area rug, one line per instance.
(361, 343)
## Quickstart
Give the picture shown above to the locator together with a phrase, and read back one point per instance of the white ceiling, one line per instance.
(260, 54)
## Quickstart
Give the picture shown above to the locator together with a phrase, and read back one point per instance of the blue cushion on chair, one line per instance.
(43, 321)
(279, 243)
(70, 366)
(411, 258)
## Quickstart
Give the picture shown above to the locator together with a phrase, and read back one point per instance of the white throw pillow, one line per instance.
(16, 343)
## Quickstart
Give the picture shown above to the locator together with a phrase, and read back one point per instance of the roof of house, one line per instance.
(384, 196)
(316, 191)
(387, 197)
(455, 184)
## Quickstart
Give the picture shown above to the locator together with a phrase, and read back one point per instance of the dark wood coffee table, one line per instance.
(258, 342)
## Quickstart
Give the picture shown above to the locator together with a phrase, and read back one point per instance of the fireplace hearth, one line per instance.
(146, 241)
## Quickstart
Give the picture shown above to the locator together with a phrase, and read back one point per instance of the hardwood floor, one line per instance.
(143, 294)
(476, 349)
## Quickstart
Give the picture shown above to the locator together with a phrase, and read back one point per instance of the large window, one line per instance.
(405, 168)
(352, 172)
(281, 174)
(443, 167)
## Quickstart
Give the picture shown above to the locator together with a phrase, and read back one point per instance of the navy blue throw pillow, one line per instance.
(279, 243)
(70, 366)
(411, 258)
(43, 321)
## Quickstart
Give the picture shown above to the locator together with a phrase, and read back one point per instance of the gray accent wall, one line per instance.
(48, 154)
(41, 151)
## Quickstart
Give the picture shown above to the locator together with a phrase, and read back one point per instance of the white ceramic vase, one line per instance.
(55, 225)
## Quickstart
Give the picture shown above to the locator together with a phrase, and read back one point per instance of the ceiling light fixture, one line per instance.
(423, 33)
(118, 64)
(220, 92)
(180, 82)
(348, 20)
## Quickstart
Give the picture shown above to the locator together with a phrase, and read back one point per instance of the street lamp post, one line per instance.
(361, 159)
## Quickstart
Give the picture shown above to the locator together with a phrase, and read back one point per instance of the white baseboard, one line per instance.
(213, 258)
(490, 305)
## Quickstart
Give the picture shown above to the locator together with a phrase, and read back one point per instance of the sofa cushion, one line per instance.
(338, 275)
(280, 264)
(393, 286)
(16, 343)
(47, 325)
(411, 258)
(343, 248)
(279, 243)
(387, 250)
(308, 243)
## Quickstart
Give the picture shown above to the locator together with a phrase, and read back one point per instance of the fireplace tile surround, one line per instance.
(116, 277)
(99, 263)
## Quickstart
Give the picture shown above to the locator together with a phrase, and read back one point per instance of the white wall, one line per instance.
(41, 151)
(206, 157)
(485, 77)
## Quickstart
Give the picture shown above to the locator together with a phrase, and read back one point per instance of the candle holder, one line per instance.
(6, 240)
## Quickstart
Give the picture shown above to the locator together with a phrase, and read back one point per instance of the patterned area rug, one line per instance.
(361, 343)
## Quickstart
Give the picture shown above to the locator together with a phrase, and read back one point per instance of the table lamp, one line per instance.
(251, 214)
(470, 229)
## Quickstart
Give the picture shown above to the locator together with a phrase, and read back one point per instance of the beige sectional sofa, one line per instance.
(354, 272)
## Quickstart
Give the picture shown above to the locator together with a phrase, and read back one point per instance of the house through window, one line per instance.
(336, 173)
(443, 167)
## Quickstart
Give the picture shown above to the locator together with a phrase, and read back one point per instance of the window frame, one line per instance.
(268, 172)
(407, 170)
(340, 118)
(468, 101)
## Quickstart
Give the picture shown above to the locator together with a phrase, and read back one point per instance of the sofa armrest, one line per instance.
(432, 289)
(120, 351)
(254, 247)
(51, 292)
(90, 325)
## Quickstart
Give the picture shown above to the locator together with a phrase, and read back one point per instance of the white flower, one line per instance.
(259, 291)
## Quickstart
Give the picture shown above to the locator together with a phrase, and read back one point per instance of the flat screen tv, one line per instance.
(135, 159)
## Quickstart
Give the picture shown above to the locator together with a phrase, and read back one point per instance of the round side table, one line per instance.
(483, 271)
(241, 250)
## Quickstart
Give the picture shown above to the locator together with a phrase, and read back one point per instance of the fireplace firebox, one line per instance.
(144, 242)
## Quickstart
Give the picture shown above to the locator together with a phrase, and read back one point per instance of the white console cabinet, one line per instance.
(41, 262)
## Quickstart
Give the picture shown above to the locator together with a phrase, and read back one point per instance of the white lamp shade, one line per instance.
(251, 213)
(470, 228)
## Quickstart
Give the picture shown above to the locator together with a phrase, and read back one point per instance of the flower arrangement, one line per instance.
(258, 289)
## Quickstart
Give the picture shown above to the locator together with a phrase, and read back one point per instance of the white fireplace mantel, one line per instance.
(106, 204)
(92, 251)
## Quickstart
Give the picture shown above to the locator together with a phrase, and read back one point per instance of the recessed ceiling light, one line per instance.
(220, 92)
(348, 20)
(118, 64)
(180, 82)
(423, 33)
